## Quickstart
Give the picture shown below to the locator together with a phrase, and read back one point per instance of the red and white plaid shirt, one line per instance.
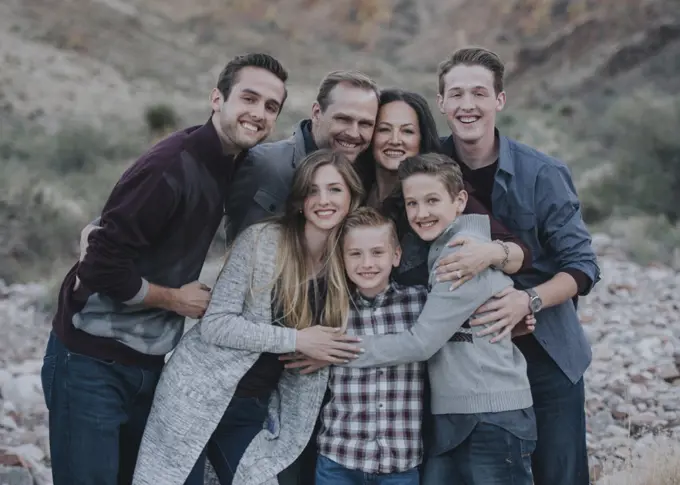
(373, 420)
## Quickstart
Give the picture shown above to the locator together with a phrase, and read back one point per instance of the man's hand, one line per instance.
(327, 344)
(305, 364)
(463, 265)
(191, 300)
(506, 308)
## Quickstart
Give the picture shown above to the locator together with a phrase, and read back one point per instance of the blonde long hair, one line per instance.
(291, 288)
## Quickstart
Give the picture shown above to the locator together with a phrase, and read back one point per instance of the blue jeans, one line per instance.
(490, 455)
(241, 422)
(561, 456)
(97, 414)
(329, 472)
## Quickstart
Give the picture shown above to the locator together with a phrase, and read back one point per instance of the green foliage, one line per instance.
(161, 118)
(640, 135)
(51, 186)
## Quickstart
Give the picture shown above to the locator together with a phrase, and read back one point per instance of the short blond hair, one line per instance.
(369, 217)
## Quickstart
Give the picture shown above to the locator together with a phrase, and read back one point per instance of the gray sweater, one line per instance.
(468, 374)
(200, 378)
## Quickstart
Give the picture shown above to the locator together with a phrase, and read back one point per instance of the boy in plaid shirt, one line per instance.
(371, 427)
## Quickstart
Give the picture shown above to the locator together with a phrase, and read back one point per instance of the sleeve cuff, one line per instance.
(141, 294)
(583, 282)
(528, 258)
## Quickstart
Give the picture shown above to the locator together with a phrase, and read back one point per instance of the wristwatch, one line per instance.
(535, 302)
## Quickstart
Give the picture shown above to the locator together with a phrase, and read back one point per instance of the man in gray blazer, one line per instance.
(343, 117)
(533, 195)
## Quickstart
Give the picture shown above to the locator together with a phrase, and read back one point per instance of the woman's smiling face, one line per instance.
(397, 135)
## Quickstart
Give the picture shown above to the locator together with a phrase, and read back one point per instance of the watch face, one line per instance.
(535, 304)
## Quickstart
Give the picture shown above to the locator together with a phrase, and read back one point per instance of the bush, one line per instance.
(51, 186)
(161, 118)
(641, 135)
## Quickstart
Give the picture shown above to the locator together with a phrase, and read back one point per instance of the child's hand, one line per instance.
(307, 365)
(525, 326)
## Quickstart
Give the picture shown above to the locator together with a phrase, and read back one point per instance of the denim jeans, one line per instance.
(329, 472)
(489, 456)
(241, 422)
(561, 456)
(97, 414)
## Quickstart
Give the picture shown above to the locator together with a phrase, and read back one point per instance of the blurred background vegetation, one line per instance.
(87, 85)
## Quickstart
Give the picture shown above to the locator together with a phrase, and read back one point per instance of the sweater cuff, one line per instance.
(527, 262)
(140, 295)
(583, 281)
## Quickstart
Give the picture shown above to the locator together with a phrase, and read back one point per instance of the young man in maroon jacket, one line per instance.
(122, 308)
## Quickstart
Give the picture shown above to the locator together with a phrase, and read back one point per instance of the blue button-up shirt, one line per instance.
(534, 196)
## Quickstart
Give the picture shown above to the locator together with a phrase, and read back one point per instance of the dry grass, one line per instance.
(658, 464)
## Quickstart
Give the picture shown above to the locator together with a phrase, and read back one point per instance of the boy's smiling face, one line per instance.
(430, 208)
(369, 254)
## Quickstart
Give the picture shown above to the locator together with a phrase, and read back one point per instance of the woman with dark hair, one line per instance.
(405, 127)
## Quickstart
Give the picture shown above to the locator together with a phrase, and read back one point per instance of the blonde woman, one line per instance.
(224, 390)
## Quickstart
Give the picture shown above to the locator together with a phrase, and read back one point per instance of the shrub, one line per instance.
(640, 133)
(161, 118)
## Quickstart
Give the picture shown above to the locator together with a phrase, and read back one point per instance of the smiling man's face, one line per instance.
(470, 103)
(347, 123)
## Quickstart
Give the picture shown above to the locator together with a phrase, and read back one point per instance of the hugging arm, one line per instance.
(510, 257)
(443, 315)
(561, 226)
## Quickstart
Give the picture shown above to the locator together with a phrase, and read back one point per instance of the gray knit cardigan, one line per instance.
(200, 377)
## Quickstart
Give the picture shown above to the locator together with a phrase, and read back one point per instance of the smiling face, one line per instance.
(328, 200)
(249, 114)
(370, 254)
(397, 135)
(348, 121)
(430, 208)
(470, 102)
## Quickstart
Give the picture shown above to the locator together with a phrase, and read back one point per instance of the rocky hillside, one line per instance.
(131, 53)
(632, 319)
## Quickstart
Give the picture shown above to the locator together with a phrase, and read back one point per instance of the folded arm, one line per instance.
(133, 218)
(564, 233)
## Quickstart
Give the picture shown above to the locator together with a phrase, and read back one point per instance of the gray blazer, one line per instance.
(200, 378)
(264, 180)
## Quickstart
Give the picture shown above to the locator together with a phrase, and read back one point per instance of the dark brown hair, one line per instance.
(473, 56)
(229, 75)
(436, 164)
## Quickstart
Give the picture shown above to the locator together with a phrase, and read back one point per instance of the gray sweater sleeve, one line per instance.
(223, 323)
(443, 315)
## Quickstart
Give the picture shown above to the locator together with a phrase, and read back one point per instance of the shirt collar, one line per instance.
(306, 128)
(504, 154)
(379, 300)
(204, 142)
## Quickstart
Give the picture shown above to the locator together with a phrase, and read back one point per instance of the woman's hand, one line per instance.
(327, 344)
(463, 265)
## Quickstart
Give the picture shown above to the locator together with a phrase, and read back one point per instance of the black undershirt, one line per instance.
(482, 180)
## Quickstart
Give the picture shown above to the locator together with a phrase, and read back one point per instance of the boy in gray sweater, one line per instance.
(484, 426)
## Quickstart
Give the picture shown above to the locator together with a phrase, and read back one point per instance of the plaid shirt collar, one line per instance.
(382, 298)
